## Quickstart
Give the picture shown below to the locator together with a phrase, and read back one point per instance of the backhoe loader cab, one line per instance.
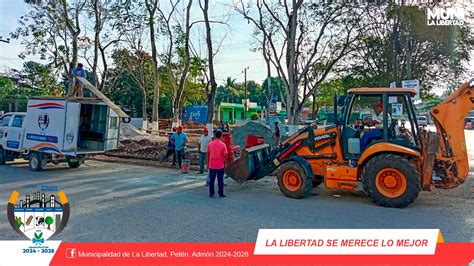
(375, 141)
(377, 116)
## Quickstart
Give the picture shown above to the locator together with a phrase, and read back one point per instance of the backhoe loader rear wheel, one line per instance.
(391, 180)
(293, 181)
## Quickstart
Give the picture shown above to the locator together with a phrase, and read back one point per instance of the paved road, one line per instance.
(119, 202)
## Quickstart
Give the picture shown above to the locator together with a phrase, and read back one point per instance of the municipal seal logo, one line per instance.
(38, 215)
(69, 137)
(43, 121)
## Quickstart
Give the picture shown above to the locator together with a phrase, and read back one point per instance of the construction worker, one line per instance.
(170, 150)
(204, 140)
(216, 159)
(180, 139)
(276, 134)
(77, 86)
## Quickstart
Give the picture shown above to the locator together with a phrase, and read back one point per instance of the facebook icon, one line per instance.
(70, 253)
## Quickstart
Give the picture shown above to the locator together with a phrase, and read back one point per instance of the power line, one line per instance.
(237, 61)
(18, 59)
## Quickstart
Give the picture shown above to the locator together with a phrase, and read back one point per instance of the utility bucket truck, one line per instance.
(54, 130)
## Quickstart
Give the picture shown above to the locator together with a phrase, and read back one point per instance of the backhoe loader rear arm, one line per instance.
(451, 162)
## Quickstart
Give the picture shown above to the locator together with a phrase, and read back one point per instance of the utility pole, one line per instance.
(245, 92)
(394, 58)
(409, 46)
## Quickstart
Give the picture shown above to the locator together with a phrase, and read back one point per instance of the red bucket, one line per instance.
(185, 166)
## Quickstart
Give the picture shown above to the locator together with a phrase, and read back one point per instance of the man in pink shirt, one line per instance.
(216, 159)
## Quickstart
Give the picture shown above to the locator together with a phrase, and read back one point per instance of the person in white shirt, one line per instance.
(376, 133)
(204, 140)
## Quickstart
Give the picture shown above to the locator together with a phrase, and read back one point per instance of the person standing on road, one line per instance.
(170, 150)
(222, 126)
(77, 86)
(204, 141)
(180, 139)
(216, 159)
(277, 134)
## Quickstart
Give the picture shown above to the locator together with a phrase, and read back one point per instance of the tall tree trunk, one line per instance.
(269, 93)
(97, 29)
(105, 70)
(292, 107)
(211, 97)
(178, 101)
(151, 7)
(145, 121)
(74, 30)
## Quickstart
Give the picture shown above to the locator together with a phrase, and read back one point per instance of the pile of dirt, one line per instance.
(153, 149)
(239, 134)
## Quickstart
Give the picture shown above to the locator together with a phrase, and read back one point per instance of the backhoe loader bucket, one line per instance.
(248, 166)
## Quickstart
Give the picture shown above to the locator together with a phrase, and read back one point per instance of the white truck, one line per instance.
(60, 130)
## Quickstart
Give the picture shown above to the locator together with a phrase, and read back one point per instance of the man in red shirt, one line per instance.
(216, 158)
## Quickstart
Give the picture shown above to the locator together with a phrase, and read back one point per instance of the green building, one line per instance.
(230, 112)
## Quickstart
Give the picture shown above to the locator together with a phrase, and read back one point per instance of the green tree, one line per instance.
(40, 78)
(402, 45)
(6, 87)
(51, 30)
(227, 92)
(304, 38)
(49, 221)
(133, 74)
(177, 56)
(275, 90)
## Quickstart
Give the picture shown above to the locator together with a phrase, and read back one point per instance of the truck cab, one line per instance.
(11, 135)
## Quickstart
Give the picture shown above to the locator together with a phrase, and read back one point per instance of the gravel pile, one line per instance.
(239, 134)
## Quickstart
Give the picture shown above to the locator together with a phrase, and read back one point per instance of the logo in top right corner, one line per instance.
(449, 16)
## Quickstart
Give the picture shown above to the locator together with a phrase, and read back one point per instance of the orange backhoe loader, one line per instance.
(376, 142)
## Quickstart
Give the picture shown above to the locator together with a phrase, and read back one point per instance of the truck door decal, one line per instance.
(13, 144)
(42, 138)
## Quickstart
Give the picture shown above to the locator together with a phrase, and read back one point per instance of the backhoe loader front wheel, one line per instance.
(293, 180)
(391, 180)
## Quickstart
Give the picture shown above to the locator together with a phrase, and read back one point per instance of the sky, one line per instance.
(234, 54)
